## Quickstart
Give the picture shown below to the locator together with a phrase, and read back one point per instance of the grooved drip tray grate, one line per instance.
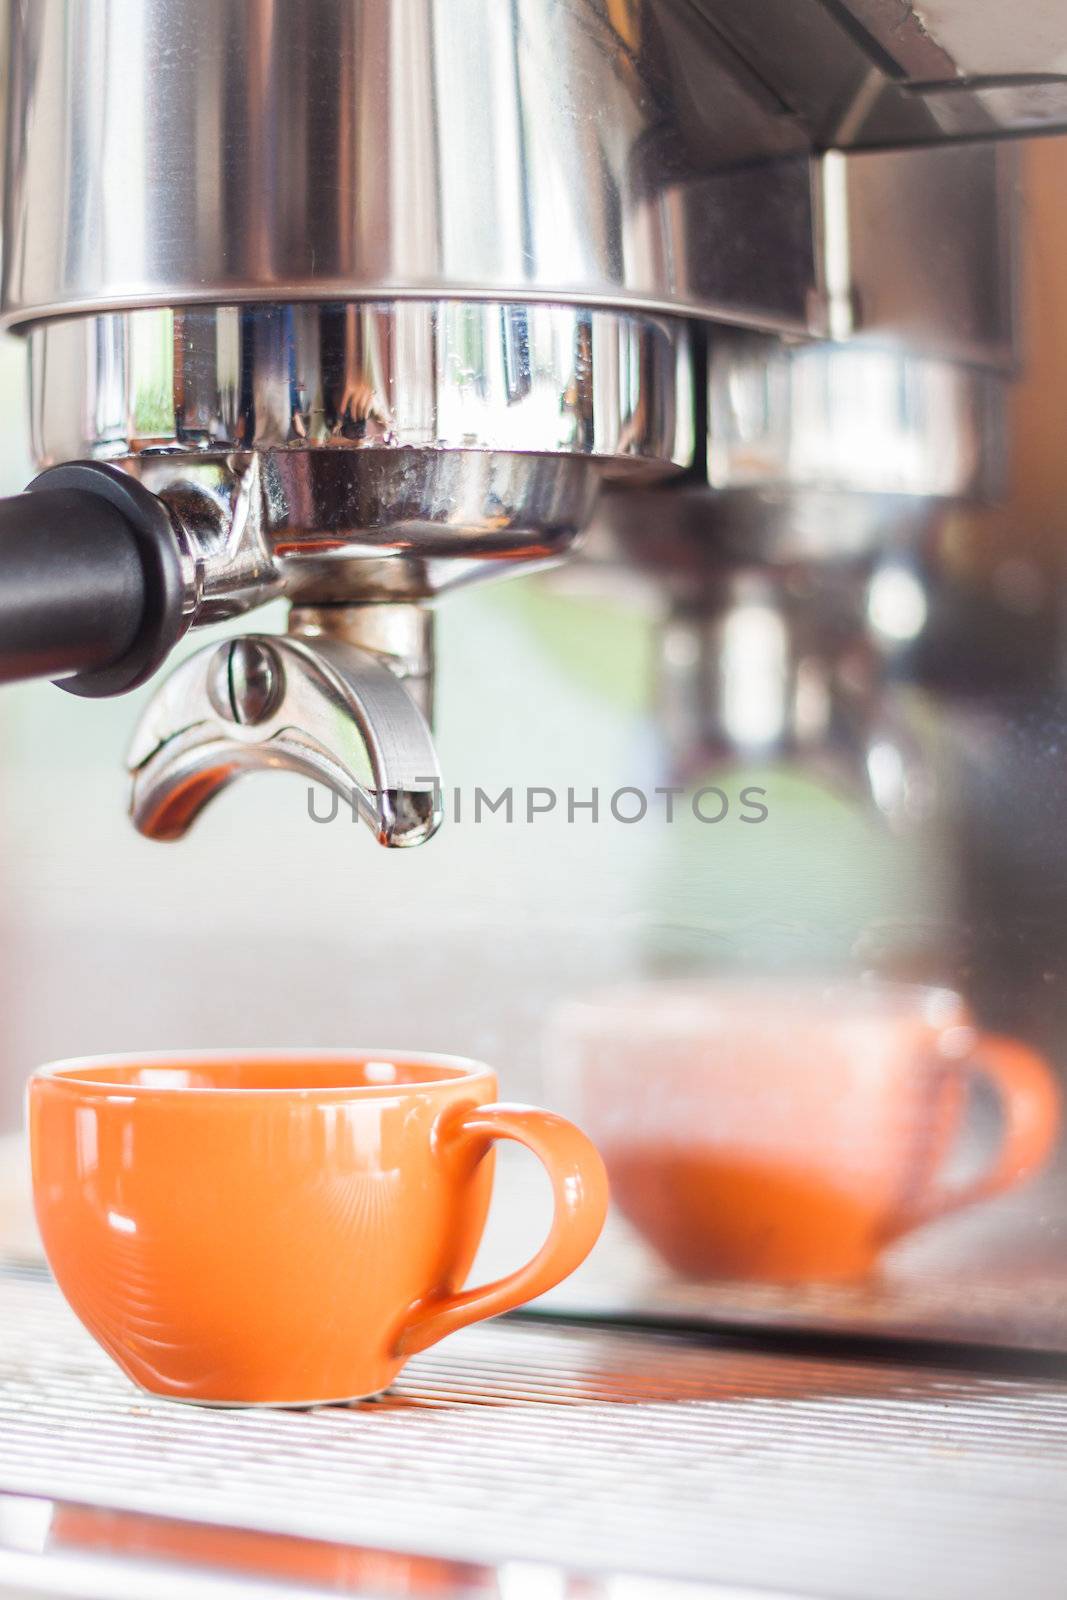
(593, 1450)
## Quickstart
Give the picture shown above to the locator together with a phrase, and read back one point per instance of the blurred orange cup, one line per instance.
(790, 1131)
(286, 1228)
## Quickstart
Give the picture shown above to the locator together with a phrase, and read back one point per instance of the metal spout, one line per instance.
(328, 710)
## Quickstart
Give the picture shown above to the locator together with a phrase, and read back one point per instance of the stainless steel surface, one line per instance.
(401, 636)
(324, 527)
(613, 1453)
(821, 457)
(361, 454)
(420, 374)
(326, 709)
(463, 147)
(377, 450)
(918, 249)
(214, 152)
(60, 1549)
(852, 420)
(815, 452)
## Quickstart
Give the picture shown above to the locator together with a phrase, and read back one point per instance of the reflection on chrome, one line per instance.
(422, 374)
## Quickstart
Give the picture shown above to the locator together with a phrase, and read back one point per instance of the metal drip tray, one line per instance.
(575, 1449)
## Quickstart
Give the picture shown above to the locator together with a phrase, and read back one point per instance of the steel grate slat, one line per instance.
(632, 1452)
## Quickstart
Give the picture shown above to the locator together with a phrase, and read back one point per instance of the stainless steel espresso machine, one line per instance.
(352, 303)
(737, 316)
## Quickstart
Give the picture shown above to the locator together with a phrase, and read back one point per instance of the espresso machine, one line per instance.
(708, 310)
(352, 304)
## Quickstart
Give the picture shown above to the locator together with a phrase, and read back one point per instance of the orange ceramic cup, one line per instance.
(286, 1228)
(790, 1131)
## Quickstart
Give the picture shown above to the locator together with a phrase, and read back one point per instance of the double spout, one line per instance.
(321, 706)
(101, 578)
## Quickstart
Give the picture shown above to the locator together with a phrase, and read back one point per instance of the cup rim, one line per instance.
(450, 1069)
(651, 1003)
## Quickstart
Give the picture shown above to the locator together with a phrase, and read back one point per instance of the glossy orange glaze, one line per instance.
(285, 1229)
(790, 1132)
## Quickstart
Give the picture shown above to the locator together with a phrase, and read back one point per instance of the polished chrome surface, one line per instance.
(399, 635)
(851, 418)
(605, 153)
(323, 527)
(211, 150)
(353, 459)
(651, 1454)
(918, 250)
(380, 450)
(327, 710)
(381, 374)
(815, 452)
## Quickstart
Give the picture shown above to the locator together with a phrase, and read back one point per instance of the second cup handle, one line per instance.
(1030, 1103)
(580, 1190)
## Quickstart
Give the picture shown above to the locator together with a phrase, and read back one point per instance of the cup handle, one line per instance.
(1030, 1101)
(580, 1189)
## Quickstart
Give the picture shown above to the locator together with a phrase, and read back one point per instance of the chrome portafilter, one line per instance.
(360, 469)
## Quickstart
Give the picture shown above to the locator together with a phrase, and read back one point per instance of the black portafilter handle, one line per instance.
(91, 588)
